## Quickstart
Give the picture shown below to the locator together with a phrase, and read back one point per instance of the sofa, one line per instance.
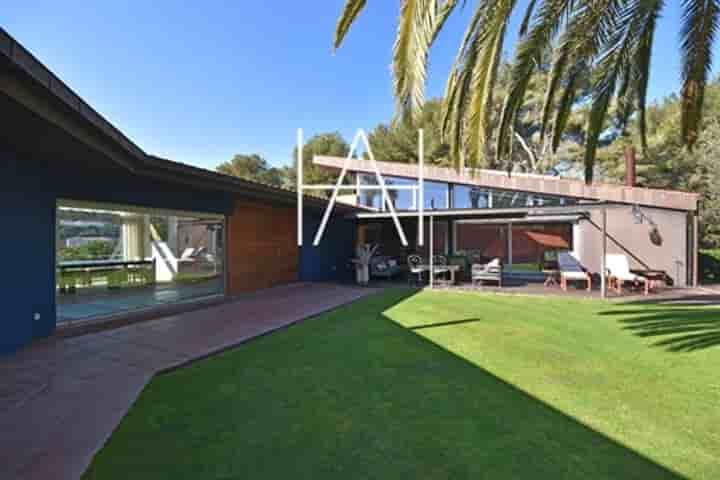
(385, 267)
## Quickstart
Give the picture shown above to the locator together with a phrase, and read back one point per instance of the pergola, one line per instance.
(514, 216)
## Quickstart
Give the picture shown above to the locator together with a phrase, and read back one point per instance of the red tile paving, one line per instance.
(60, 400)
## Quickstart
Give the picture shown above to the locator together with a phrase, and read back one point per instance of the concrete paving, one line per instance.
(61, 399)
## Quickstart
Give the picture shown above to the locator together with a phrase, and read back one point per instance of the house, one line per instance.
(61, 161)
(483, 214)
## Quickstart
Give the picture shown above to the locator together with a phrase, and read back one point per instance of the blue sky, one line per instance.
(200, 81)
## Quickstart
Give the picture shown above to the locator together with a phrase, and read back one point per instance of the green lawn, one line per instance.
(442, 385)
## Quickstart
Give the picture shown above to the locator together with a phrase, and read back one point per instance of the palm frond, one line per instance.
(579, 43)
(546, 23)
(469, 92)
(350, 13)
(643, 57)
(616, 66)
(700, 23)
(565, 105)
(484, 73)
(420, 23)
(529, 11)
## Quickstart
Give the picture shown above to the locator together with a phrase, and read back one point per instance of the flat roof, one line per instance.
(522, 182)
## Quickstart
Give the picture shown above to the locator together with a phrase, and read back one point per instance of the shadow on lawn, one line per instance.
(519, 435)
(363, 397)
(682, 329)
(444, 324)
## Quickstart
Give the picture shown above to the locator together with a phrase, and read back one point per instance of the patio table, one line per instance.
(453, 269)
(652, 278)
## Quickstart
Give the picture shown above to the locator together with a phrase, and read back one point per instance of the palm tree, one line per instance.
(606, 42)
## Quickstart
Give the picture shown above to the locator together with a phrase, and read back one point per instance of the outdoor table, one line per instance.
(443, 268)
(652, 278)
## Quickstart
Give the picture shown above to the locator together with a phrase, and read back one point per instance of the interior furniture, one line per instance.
(113, 273)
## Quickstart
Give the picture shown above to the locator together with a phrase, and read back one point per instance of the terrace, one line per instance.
(398, 383)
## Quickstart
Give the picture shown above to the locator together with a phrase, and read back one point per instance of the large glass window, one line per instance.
(436, 195)
(369, 198)
(465, 196)
(481, 243)
(470, 197)
(403, 199)
(112, 259)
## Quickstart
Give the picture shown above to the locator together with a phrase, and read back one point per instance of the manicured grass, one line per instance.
(442, 385)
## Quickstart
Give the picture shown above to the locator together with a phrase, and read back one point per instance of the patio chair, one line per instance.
(440, 267)
(618, 272)
(490, 272)
(571, 270)
(415, 268)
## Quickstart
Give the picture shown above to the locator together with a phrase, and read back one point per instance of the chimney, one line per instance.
(630, 166)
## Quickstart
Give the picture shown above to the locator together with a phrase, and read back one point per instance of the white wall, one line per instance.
(671, 256)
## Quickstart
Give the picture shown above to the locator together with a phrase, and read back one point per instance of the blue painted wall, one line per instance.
(29, 190)
(329, 261)
(27, 243)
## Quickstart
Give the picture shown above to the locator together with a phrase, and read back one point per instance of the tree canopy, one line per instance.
(607, 42)
(254, 167)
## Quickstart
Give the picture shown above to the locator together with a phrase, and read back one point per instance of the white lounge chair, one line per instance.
(571, 270)
(618, 271)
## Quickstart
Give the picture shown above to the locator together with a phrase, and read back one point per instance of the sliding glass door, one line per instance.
(112, 259)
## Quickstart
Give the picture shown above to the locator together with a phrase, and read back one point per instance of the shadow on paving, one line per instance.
(352, 394)
(681, 329)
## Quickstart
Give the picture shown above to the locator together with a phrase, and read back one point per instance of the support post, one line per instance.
(509, 246)
(603, 280)
(431, 251)
(421, 189)
(299, 174)
(696, 245)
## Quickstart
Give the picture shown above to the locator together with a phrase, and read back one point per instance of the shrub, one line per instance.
(709, 266)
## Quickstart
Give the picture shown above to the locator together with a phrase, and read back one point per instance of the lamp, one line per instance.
(639, 216)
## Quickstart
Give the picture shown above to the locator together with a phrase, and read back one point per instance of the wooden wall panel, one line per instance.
(262, 247)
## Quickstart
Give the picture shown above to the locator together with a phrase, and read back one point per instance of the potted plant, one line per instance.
(363, 254)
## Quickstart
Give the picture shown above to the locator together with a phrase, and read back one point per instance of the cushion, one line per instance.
(392, 263)
(574, 275)
(381, 266)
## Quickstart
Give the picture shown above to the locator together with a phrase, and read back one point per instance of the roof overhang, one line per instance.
(537, 184)
(46, 104)
(501, 214)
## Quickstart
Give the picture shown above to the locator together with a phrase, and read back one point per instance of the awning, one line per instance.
(548, 240)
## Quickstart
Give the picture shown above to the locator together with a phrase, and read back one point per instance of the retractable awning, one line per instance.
(548, 240)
